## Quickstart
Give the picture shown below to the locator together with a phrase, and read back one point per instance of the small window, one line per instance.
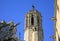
(35, 29)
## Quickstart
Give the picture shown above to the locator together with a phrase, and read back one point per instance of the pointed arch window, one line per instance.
(32, 20)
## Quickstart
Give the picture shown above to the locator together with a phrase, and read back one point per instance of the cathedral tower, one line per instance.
(33, 26)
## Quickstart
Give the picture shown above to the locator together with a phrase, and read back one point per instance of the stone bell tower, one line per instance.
(33, 26)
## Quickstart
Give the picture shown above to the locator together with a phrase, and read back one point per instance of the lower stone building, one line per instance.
(8, 31)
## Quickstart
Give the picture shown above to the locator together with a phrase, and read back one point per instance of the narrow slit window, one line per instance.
(38, 20)
(26, 20)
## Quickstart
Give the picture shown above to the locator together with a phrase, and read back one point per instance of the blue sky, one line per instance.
(16, 9)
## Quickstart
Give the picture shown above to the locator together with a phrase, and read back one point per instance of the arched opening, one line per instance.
(32, 20)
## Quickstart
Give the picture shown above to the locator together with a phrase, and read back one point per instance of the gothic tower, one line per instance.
(33, 26)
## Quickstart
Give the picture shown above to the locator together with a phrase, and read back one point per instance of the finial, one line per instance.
(33, 7)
